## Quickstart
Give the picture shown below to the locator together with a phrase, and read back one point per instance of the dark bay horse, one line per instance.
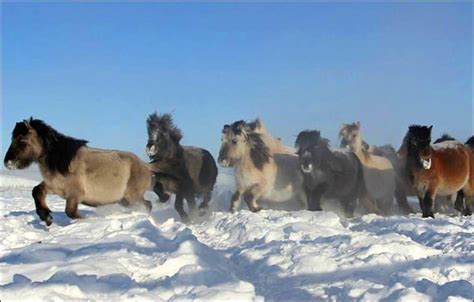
(188, 172)
(75, 172)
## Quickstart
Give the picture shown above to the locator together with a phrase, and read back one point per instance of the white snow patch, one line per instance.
(119, 253)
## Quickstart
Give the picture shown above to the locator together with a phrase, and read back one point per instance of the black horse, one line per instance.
(328, 173)
(188, 172)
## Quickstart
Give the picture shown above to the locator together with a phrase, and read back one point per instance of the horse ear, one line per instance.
(358, 124)
(430, 127)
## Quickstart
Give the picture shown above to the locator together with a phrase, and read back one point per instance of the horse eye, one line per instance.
(234, 141)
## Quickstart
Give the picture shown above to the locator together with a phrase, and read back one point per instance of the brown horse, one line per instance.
(437, 169)
(75, 172)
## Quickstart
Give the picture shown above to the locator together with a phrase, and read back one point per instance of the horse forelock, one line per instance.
(20, 129)
(163, 123)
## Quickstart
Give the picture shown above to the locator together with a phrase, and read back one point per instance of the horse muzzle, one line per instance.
(224, 163)
(11, 165)
(151, 151)
(426, 163)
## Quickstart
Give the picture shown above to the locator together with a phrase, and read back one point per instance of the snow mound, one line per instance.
(120, 253)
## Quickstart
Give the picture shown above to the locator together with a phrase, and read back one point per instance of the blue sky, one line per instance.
(96, 70)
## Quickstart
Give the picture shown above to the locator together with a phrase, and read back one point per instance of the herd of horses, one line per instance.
(265, 170)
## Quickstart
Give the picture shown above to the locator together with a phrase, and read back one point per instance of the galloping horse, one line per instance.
(437, 169)
(75, 172)
(188, 172)
(261, 174)
(329, 173)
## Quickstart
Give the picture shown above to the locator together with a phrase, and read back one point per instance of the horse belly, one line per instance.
(281, 195)
(105, 188)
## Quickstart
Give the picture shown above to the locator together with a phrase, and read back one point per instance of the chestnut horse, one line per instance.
(437, 169)
(75, 172)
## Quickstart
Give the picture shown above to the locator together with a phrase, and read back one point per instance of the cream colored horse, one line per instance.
(75, 172)
(261, 174)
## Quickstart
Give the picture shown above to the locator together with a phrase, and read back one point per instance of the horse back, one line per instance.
(201, 168)
(452, 166)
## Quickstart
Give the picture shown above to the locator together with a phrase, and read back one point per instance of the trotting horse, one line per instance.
(75, 172)
(260, 174)
(437, 169)
(188, 172)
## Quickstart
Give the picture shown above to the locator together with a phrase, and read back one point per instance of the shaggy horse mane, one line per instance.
(444, 138)
(164, 123)
(59, 149)
(259, 151)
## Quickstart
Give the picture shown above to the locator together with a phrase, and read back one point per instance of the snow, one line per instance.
(120, 253)
(447, 145)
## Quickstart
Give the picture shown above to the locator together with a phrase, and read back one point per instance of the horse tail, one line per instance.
(208, 172)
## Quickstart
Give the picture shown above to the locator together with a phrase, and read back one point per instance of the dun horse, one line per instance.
(437, 169)
(379, 174)
(185, 171)
(75, 172)
(261, 174)
(329, 174)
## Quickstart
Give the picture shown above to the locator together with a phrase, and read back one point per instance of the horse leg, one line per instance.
(205, 200)
(349, 204)
(314, 202)
(234, 202)
(159, 190)
(459, 203)
(179, 206)
(147, 205)
(468, 207)
(427, 203)
(71, 208)
(251, 196)
(401, 197)
(39, 195)
(191, 202)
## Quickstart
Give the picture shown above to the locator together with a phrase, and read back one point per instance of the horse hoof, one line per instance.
(255, 210)
(164, 197)
(467, 212)
(48, 220)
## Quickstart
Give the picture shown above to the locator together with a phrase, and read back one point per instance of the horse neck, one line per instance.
(356, 146)
(176, 154)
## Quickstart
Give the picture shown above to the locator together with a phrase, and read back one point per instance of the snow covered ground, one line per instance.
(272, 255)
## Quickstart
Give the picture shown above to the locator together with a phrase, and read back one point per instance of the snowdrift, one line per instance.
(119, 253)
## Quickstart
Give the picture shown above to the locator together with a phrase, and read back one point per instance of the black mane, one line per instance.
(444, 138)
(259, 151)
(163, 123)
(59, 149)
(470, 142)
